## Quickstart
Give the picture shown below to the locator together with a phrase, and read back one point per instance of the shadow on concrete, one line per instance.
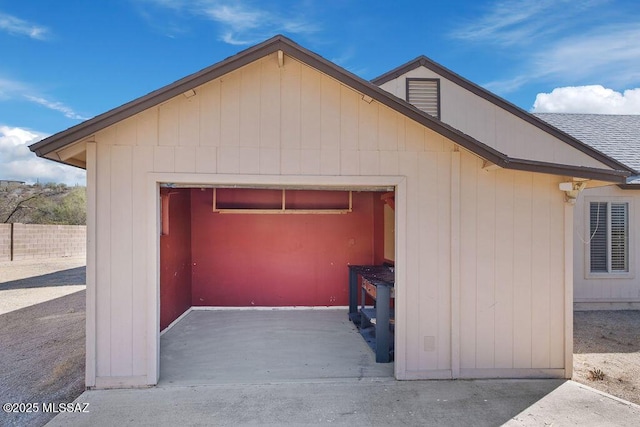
(229, 368)
(72, 276)
(344, 403)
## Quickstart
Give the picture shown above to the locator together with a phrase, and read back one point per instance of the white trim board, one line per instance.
(175, 322)
(285, 308)
(155, 179)
(278, 308)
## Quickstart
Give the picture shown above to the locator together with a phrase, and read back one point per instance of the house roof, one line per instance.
(50, 145)
(558, 132)
(617, 136)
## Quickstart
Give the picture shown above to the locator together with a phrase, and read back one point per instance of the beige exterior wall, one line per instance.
(608, 290)
(512, 272)
(479, 255)
(492, 125)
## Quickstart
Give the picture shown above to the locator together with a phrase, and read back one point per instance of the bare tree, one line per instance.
(21, 205)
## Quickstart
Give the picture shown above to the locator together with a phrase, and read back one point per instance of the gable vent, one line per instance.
(424, 94)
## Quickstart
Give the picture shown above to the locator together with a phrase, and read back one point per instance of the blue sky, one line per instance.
(65, 62)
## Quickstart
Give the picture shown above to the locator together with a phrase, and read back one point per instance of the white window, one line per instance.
(608, 237)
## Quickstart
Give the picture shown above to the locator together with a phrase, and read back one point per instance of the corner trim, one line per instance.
(122, 382)
(431, 374)
(176, 321)
(516, 373)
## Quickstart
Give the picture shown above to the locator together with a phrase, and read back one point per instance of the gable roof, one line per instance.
(618, 136)
(618, 173)
(557, 132)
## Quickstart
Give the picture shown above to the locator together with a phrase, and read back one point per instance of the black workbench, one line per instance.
(377, 282)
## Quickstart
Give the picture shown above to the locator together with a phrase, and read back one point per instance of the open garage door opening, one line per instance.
(255, 281)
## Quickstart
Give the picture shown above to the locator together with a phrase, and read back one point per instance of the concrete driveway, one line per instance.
(353, 402)
(259, 382)
(311, 368)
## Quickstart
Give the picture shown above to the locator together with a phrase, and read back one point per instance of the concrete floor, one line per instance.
(257, 347)
(296, 368)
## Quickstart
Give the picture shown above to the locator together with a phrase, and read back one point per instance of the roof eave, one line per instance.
(613, 176)
(502, 103)
(91, 126)
(154, 98)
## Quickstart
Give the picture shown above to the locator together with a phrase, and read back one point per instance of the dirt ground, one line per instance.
(43, 344)
(607, 352)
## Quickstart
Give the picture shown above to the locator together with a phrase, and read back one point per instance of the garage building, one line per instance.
(479, 228)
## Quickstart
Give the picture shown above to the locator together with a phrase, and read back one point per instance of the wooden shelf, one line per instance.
(258, 201)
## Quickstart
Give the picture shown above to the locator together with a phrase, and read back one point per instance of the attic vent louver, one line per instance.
(424, 94)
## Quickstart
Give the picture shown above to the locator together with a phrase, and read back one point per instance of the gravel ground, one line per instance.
(43, 340)
(607, 352)
(42, 352)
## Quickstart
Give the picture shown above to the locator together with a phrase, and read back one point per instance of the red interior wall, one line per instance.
(280, 260)
(378, 229)
(175, 258)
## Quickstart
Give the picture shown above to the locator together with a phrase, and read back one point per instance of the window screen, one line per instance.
(609, 237)
(619, 237)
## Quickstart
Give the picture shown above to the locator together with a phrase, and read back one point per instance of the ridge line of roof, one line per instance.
(244, 57)
(423, 60)
(564, 113)
(310, 58)
(143, 102)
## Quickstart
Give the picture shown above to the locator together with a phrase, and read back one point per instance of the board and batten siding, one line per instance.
(476, 304)
(604, 291)
(512, 266)
(493, 125)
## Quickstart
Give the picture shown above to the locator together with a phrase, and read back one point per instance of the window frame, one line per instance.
(629, 274)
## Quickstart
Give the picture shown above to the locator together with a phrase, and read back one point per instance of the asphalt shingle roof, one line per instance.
(617, 136)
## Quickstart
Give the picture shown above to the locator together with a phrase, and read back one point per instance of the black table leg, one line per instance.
(382, 324)
(353, 296)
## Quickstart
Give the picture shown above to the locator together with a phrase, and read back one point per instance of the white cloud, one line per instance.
(9, 88)
(17, 162)
(240, 23)
(560, 41)
(508, 22)
(506, 86)
(13, 89)
(56, 106)
(611, 53)
(511, 23)
(594, 99)
(17, 26)
(237, 16)
(229, 38)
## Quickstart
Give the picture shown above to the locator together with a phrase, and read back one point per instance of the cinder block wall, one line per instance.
(37, 241)
(5, 242)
